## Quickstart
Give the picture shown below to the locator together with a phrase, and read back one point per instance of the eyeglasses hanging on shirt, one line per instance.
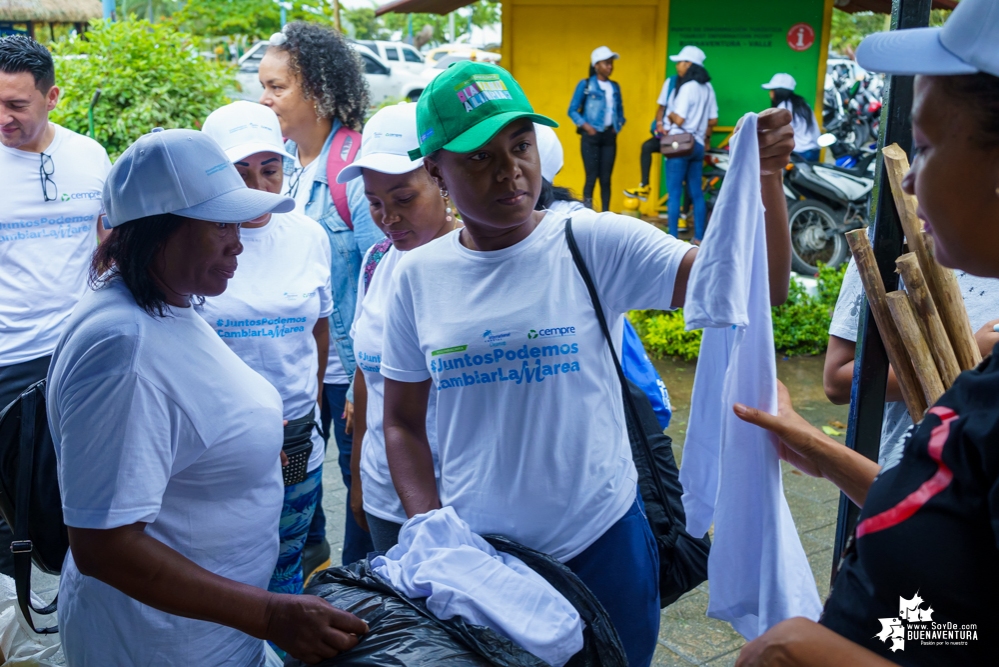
(293, 183)
(45, 171)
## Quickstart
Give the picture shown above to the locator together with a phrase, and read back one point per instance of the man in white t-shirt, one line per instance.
(52, 184)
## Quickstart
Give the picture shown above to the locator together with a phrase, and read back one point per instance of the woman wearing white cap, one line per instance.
(918, 583)
(274, 316)
(410, 209)
(168, 444)
(806, 130)
(691, 108)
(598, 112)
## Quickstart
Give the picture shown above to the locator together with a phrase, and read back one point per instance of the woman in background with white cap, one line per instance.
(598, 112)
(168, 444)
(806, 130)
(918, 582)
(691, 108)
(412, 211)
(274, 316)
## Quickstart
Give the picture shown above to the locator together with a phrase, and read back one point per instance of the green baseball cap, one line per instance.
(466, 105)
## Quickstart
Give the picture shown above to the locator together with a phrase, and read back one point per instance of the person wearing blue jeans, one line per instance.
(689, 169)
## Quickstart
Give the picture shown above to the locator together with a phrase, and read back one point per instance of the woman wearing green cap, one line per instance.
(530, 423)
(918, 582)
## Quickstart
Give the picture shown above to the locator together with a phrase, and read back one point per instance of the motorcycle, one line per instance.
(824, 202)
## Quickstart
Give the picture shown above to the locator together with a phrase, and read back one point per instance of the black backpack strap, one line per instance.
(631, 410)
(21, 547)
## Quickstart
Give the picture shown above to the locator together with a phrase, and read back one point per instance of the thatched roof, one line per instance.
(50, 11)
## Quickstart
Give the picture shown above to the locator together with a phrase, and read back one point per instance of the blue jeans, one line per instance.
(300, 502)
(811, 155)
(356, 542)
(622, 570)
(689, 168)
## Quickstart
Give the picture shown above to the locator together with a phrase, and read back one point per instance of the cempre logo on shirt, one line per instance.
(551, 332)
(89, 194)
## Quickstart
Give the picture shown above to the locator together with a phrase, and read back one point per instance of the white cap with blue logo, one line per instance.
(186, 173)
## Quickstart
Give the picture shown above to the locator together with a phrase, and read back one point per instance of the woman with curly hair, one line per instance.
(313, 81)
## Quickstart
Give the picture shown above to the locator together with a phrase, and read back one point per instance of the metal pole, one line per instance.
(450, 26)
(409, 28)
(109, 9)
(870, 370)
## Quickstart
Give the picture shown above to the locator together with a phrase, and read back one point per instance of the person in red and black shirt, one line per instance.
(920, 584)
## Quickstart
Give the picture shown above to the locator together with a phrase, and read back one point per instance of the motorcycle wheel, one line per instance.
(809, 220)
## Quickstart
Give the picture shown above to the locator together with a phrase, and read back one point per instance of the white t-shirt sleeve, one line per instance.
(663, 94)
(116, 451)
(326, 291)
(683, 103)
(361, 291)
(633, 263)
(402, 356)
(846, 316)
(712, 103)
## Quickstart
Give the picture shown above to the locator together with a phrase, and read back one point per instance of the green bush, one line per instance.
(150, 75)
(801, 324)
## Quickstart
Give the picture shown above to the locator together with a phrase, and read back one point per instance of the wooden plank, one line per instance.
(867, 267)
(950, 304)
(919, 352)
(929, 318)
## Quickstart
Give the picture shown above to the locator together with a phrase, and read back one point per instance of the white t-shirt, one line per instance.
(608, 89)
(267, 313)
(981, 300)
(530, 424)
(300, 187)
(696, 104)
(155, 420)
(46, 246)
(380, 497)
(806, 137)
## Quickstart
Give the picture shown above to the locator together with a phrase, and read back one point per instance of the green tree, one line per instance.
(848, 30)
(253, 18)
(150, 76)
(364, 23)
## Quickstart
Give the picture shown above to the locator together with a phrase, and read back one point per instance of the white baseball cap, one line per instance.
(244, 128)
(967, 43)
(550, 150)
(602, 53)
(691, 54)
(781, 81)
(385, 143)
(186, 173)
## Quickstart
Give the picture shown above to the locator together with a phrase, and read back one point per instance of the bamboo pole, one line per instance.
(867, 267)
(939, 280)
(950, 304)
(919, 352)
(929, 318)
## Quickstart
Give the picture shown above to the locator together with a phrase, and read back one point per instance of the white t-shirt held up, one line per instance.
(268, 311)
(46, 246)
(530, 423)
(155, 420)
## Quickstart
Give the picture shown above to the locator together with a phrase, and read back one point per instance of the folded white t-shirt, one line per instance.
(460, 574)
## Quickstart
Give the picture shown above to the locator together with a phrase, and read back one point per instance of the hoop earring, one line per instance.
(448, 218)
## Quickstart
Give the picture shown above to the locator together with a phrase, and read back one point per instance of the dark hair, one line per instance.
(551, 193)
(128, 253)
(979, 93)
(330, 71)
(799, 106)
(593, 72)
(20, 53)
(694, 73)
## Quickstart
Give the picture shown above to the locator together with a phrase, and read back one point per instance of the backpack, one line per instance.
(683, 559)
(346, 143)
(30, 501)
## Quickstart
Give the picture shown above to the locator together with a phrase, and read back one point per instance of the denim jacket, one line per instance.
(348, 246)
(591, 99)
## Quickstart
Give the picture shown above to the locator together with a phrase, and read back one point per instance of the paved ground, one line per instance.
(686, 636)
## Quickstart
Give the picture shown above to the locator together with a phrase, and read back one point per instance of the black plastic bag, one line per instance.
(403, 632)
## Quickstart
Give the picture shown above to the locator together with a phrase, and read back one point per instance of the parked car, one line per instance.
(396, 54)
(435, 54)
(384, 82)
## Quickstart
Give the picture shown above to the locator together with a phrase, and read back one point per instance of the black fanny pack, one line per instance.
(298, 448)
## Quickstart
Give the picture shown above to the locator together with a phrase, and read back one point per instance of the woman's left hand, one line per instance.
(776, 138)
(799, 642)
(348, 416)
